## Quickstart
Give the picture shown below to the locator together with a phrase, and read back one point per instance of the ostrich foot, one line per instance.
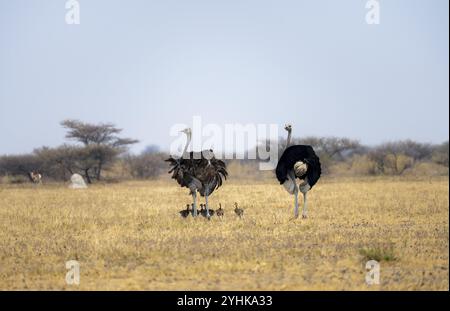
(304, 216)
(294, 218)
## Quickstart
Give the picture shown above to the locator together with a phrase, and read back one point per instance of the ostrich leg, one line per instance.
(292, 176)
(296, 202)
(304, 188)
(207, 207)
(305, 212)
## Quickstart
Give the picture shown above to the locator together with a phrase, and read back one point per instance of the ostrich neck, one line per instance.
(188, 141)
(288, 141)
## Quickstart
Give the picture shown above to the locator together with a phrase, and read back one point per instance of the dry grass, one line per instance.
(130, 236)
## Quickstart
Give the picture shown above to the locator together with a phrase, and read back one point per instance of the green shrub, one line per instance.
(379, 253)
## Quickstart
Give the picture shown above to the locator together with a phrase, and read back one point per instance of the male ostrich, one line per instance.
(198, 171)
(298, 161)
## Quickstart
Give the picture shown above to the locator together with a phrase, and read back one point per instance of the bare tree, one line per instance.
(440, 154)
(396, 157)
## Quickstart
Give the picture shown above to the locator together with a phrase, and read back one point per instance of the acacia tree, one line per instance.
(100, 146)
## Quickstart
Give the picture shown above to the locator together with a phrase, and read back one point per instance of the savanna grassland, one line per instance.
(129, 236)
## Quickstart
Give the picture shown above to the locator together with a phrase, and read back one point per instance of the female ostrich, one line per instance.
(198, 171)
(298, 161)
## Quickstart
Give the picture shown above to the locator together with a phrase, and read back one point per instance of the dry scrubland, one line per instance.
(129, 236)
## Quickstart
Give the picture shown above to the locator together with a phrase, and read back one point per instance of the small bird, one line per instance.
(185, 213)
(220, 212)
(238, 211)
(202, 210)
(204, 213)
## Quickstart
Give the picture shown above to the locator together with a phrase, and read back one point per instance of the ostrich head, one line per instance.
(187, 131)
(288, 128)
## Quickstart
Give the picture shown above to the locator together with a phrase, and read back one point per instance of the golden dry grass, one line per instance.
(130, 236)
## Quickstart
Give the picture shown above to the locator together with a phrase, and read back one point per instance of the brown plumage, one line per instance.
(196, 170)
(220, 212)
(238, 211)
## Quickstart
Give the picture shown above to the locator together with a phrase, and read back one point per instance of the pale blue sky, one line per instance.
(146, 65)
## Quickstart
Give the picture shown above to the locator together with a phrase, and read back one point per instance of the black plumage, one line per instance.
(185, 212)
(292, 155)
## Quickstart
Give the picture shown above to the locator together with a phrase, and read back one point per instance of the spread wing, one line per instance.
(200, 168)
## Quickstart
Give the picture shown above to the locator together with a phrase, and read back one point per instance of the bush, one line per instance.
(379, 253)
(146, 166)
(427, 169)
(396, 164)
(363, 165)
(440, 154)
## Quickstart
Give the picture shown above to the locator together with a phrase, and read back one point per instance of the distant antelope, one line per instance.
(185, 213)
(238, 211)
(36, 177)
(219, 212)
